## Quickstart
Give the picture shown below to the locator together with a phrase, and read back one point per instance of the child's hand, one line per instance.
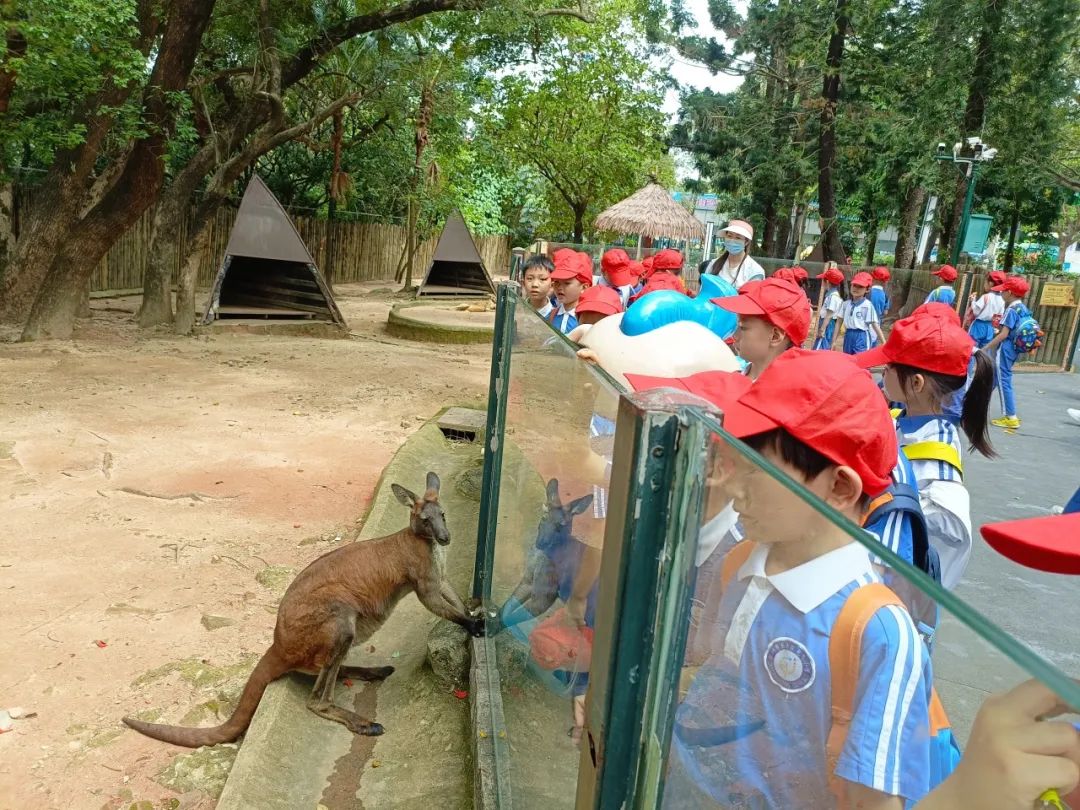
(575, 611)
(589, 356)
(1013, 755)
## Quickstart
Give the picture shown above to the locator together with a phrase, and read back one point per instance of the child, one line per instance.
(595, 304)
(859, 317)
(669, 261)
(1004, 351)
(830, 308)
(753, 729)
(536, 278)
(572, 275)
(660, 279)
(943, 294)
(618, 274)
(785, 273)
(986, 310)
(926, 361)
(774, 316)
(878, 296)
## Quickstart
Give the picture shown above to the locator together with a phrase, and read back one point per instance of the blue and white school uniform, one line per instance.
(564, 320)
(985, 309)
(942, 295)
(944, 499)
(858, 317)
(830, 311)
(880, 299)
(1006, 356)
(601, 431)
(764, 694)
(546, 310)
(624, 291)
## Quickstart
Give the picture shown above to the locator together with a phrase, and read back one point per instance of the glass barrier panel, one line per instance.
(817, 663)
(553, 490)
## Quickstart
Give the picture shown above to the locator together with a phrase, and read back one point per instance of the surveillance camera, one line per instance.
(974, 141)
(941, 147)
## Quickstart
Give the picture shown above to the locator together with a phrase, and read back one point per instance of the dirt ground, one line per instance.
(154, 487)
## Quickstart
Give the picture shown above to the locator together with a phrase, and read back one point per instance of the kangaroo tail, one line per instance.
(269, 668)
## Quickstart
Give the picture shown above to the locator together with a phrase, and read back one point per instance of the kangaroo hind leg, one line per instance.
(340, 631)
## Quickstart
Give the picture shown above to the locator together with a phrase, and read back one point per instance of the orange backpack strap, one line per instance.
(939, 721)
(875, 504)
(734, 560)
(845, 657)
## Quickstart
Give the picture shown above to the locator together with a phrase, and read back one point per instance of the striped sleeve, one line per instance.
(888, 745)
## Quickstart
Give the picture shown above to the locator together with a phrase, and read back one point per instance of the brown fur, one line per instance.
(340, 600)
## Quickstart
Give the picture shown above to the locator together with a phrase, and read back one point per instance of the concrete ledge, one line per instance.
(403, 323)
(491, 748)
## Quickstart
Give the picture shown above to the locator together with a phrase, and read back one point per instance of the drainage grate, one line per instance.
(462, 424)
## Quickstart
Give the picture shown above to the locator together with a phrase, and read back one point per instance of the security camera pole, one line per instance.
(980, 153)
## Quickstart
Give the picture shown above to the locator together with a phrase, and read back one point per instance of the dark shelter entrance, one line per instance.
(456, 268)
(268, 273)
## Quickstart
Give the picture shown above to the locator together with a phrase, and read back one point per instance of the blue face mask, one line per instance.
(734, 246)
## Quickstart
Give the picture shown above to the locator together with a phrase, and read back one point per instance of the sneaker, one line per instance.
(1074, 414)
(1009, 422)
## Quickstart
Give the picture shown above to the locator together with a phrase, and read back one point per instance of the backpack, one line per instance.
(1028, 335)
(845, 659)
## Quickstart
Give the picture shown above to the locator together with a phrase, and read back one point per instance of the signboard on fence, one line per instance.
(1057, 295)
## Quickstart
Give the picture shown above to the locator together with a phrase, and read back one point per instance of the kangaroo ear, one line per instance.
(553, 492)
(404, 495)
(433, 482)
(580, 505)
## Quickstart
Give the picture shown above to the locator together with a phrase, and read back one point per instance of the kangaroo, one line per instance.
(552, 562)
(340, 600)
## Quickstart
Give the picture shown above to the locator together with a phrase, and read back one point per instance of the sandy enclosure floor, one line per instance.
(146, 481)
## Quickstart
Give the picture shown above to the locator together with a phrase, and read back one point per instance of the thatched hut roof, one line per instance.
(651, 211)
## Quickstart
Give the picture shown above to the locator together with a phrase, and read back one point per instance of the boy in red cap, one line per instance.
(595, 304)
(926, 360)
(944, 293)
(754, 728)
(830, 308)
(669, 261)
(774, 316)
(860, 318)
(572, 275)
(878, 295)
(1004, 350)
(619, 274)
(985, 311)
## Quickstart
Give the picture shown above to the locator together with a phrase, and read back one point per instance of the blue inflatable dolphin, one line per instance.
(668, 306)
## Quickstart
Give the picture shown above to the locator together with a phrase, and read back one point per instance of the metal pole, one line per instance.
(969, 198)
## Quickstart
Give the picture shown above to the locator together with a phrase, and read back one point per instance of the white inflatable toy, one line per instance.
(677, 349)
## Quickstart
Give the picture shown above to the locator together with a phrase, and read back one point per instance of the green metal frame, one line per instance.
(494, 435)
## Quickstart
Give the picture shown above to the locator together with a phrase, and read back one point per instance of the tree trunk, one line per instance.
(800, 227)
(1014, 227)
(579, 224)
(768, 236)
(7, 225)
(188, 277)
(783, 230)
(833, 249)
(908, 236)
(871, 242)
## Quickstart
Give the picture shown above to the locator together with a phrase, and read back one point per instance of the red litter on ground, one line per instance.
(100, 643)
(460, 694)
(348, 683)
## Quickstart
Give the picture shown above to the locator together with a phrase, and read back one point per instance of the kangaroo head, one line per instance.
(426, 516)
(559, 519)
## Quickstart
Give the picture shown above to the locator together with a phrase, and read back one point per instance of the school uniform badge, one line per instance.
(790, 665)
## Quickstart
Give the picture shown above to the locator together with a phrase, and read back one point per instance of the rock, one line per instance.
(275, 578)
(204, 769)
(212, 623)
(448, 654)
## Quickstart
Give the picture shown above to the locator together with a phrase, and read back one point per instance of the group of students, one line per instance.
(889, 457)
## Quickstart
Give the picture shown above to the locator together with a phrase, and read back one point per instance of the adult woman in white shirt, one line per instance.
(735, 264)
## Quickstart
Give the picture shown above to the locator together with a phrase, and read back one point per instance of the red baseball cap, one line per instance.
(928, 341)
(832, 275)
(1049, 543)
(938, 309)
(570, 264)
(946, 272)
(786, 273)
(863, 279)
(1017, 285)
(881, 273)
(617, 267)
(668, 259)
(600, 299)
(779, 301)
(660, 280)
(647, 264)
(800, 273)
(997, 276)
(826, 402)
(718, 387)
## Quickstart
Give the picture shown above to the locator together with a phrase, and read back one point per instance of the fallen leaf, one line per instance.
(347, 682)
(460, 694)
(375, 763)
(100, 643)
